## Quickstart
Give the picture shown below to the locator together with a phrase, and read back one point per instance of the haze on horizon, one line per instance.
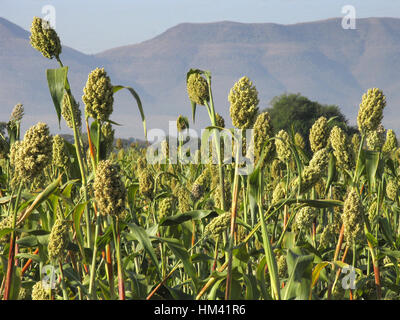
(102, 25)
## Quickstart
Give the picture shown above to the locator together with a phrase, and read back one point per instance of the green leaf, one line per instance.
(213, 292)
(251, 289)
(5, 232)
(141, 235)
(15, 284)
(387, 231)
(28, 242)
(300, 274)
(289, 240)
(76, 217)
(56, 79)
(316, 272)
(391, 253)
(371, 239)
(182, 254)
(241, 253)
(179, 294)
(193, 105)
(33, 257)
(139, 104)
(371, 166)
(41, 197)
(260, 275)
(190, 215)
(199, 257)
(318, 203)
(271, 259)
(331, 171)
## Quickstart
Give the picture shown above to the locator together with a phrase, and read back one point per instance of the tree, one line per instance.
(299, 112)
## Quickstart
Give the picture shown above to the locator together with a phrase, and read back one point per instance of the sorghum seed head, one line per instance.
(183, 196)
(353, 217)
(17, 113)
(319, 134)
(197, 89)
(355, 142)
(45, 39)
(282, 267)
(328, 236)
(277, 168)
(314, 171)
(58, 240)
(201, 184)
(243, 98)
(60, 152)
(98, 95)
(39, 293)
(67, 103)
(392, 189)
(340, 144)
(299, 141)
(376, 138)
(282, 146)
(373, 213)
(262, 133)
(165, 207)
(31, 155)
(220, 121)
(182, 123)
(391, 143)
(109, 190)
(370, 113)
(219, 224)
(279, 192)
(304, 218)
(146, 183)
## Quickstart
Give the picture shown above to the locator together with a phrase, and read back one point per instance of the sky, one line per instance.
(92, 26)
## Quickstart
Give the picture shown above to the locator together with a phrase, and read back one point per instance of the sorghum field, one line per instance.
(88, 221)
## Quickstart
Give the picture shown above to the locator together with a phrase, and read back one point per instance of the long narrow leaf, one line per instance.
(56, 80)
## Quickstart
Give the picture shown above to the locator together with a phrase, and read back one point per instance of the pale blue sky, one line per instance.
(92, 26)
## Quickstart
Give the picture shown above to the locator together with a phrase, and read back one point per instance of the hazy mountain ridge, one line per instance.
(318, 59)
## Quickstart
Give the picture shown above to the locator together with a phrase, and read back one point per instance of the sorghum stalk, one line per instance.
(78, 143)
(223, 267)
(269, 255)
(109, 267)
(121, 285)
(211, 112)
(92, 289)
(233, 223)
(64, 291)
(174, 268)
(11, 252)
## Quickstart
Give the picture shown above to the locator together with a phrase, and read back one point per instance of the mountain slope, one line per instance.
(318, 59)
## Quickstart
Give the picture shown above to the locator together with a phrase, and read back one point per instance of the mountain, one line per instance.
(319, 59)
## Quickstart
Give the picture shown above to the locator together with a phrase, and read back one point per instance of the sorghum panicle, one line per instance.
(197, 89)
(98, 95)
(319, 134)
(45, 39)
(243, 98)
(370, 113)
(109, 190)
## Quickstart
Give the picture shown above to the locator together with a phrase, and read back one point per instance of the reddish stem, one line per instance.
(28, 263)
(10, 268)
